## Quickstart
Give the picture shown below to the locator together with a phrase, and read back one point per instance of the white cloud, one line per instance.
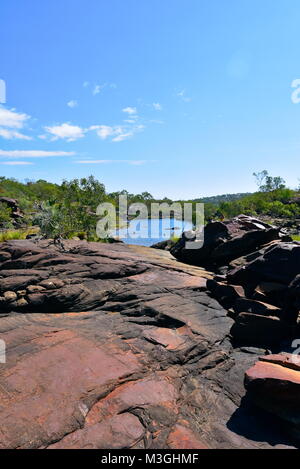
(66, 131)
(11, 118)
(73, 103)
(117, 133)
(126, 133)
(123, 136)
(9, 134)
(130, 110)
(130, 121)
(156, 121)
(34, 153)
(16, 163)
(157, 106)
(182, 95)
(137, 162)
(104, 131)
(98, 88)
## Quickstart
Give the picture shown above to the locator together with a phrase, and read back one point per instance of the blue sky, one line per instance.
(179, 98)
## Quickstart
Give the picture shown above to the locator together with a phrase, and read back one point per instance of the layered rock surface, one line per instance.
(227, 241)
(257, 279)
(115, 346)
(274, 384)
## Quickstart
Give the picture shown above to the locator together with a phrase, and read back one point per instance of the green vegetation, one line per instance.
(65, 210)
(8, 235)
(276, 204)
(69, 209)
(273, 199)
(5, 216)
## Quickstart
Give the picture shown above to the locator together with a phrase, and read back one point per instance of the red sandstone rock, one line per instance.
(121, 431)
(135, 352)
(274, 384)
(287, 360)
(183, 438)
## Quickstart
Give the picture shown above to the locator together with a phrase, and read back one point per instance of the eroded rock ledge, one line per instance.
(114, 346)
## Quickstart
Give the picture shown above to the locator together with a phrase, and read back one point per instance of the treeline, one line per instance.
(280, 203)
(273, 199)
(69, 209)
(217, 199)
(65, 210)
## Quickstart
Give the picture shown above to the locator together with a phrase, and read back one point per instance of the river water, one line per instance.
(150, 231)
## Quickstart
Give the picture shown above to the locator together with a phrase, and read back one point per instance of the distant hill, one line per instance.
(217, 199)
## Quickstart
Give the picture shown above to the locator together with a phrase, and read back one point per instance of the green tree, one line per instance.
(5, 216)
(268, 183)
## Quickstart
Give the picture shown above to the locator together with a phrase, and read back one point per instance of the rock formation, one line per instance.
(16, 212)
(260, 289)
(274, 383)
(115, 346)
(227, 241)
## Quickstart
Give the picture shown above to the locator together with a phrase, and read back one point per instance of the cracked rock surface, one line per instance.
(115, 346)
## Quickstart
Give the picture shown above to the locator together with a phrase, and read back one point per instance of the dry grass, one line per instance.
(8, 235)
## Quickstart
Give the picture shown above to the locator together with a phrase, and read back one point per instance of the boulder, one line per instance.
(164, 245)
(13, 204)
(226, 241)
(245, 305)
(274, 384)
(258, 330)
(280, 263)
(224, 293)
(294, 293)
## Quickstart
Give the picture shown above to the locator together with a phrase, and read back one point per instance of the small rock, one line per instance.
(10, 296)
(36, 299)
(4, 256)
(21, 293)
(35, 288)
(52, 284)
(21, 303)
(224, 293)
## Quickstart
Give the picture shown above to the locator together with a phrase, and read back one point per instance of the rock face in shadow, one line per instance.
(115, 346)
(261, 292)
(227, 241)
(277, 263)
